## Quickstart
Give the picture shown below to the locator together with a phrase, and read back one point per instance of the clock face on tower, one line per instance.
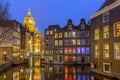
(82, 26)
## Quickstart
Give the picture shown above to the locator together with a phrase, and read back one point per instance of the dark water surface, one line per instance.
(50, 72)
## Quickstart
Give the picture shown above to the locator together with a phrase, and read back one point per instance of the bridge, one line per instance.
(36, 59)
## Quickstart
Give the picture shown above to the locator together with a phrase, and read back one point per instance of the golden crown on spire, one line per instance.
(29, 13)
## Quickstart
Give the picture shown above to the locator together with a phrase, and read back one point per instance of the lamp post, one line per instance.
(4, 55)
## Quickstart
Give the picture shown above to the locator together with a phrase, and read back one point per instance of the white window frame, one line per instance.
(109, 67)
(104, 53)
(106, 13)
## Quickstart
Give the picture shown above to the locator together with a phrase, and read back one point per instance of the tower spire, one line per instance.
(29, 22)
(29, 13)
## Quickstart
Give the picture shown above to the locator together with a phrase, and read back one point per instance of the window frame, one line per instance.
(104, 14)
(104, 67)
(106, 32)
(115, 58)
(114, 29)
(104, 51)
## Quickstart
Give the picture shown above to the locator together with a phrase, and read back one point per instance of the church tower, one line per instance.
(29, 22)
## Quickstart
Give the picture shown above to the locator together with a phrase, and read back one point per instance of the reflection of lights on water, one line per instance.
(4, 76)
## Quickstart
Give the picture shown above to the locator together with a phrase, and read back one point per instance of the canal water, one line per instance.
(50, 72)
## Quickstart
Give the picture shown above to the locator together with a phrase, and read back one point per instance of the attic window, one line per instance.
(105, 17)
(69, 27)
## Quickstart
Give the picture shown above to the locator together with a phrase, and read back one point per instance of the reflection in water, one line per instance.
(50, 72)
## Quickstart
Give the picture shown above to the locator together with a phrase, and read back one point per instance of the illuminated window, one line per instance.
(87, 50)
(96, 34)
(73, 34)
(105, 17)
(47, 51)
(106, 51)
(60, 35)
(60, 42)
(56, 35)
(97, 52)
(117, 29)
(56, 42)
(78, 50)
(74, 50)
(74, 42)
(15, 33)
(47, 32)
(51, 32)
(117, 51)
(70, 50)
(105, 32)
(65, 34)
(83, 50)
(78, 41)
(14, 48)
(66, 50)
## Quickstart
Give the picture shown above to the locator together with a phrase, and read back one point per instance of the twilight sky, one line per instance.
(50, 12)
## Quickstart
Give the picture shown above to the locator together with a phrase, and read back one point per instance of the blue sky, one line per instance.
(50, 12)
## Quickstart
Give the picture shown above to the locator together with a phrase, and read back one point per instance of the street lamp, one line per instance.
(4, 54)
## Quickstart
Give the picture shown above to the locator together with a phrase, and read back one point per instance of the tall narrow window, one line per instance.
(51, 32)
(56, 35)
(66, 50)
(65, 34)
(47, 32)
(106, 67)
(74, 50)
(60, 42)
(83, 50)
(70, 34)
(87, 33)
(78, 34)
(96, 34)
(60, 35)
(73, 34)
(70, 50)
(78, 41)
(78, 50)
(117, 51)
(105, 17)
(56, 42)
(74, 42)
(82, 41)
(117, 29)
(106, 51)
(66, 42)
(87, 50)
(105, 32)
(97, 52)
